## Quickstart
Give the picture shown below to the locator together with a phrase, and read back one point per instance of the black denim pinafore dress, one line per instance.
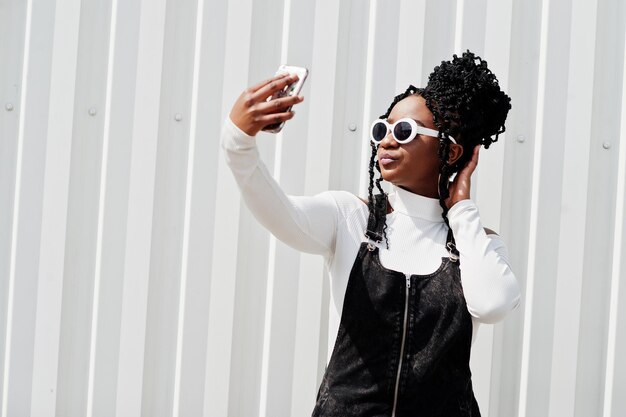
(403, 345)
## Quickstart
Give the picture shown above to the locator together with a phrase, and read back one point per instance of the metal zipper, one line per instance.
(406, 315)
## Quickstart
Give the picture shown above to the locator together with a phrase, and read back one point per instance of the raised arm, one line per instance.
(489, 285)
(305, 223)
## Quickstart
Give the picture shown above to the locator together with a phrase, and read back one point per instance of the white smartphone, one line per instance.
(290, 90)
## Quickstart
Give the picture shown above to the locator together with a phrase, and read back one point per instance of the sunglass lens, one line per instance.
(379, 131)
(402, 130)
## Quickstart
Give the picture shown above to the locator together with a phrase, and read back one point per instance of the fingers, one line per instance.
(474, 158)
(275, 84)
(471, 165)
(278, 105)
(274, 118)
(256, 87)
(463, 178)
(460, 188)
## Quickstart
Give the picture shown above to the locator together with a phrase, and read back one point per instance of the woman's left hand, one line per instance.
(460, 187)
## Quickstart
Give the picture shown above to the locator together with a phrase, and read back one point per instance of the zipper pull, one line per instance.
(408, 281)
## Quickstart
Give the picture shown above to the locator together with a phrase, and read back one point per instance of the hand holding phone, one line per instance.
(289, 91)
(255, 110)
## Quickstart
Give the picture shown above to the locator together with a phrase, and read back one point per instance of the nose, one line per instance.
(389, 141)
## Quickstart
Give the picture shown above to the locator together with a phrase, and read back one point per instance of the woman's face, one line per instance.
(413, 166)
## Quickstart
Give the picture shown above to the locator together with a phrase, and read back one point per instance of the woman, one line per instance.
(413, 272)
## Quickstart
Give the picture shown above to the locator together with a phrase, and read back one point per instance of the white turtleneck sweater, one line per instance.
(333, 223)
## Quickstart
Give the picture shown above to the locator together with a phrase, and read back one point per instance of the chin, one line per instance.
(388, 177)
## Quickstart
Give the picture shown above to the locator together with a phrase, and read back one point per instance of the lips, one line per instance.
(386, 158)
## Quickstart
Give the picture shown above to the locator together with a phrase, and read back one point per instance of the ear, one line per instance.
(456, 151)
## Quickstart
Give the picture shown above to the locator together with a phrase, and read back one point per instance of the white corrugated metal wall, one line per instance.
(134, 282)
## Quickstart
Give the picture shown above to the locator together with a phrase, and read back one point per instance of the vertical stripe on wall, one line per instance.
(135, 281)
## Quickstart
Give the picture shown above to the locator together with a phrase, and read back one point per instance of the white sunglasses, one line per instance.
(403, 131)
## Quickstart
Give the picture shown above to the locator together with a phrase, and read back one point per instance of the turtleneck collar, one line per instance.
(414, 205)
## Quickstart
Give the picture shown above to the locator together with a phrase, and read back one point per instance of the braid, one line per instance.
(381, 210)
(371, 201)
(444, 177)
(370, 188)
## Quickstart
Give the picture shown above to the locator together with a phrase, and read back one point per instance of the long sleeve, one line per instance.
(489, 285)
(307, 224)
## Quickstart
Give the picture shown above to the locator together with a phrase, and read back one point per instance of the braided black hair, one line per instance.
(466, 102)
